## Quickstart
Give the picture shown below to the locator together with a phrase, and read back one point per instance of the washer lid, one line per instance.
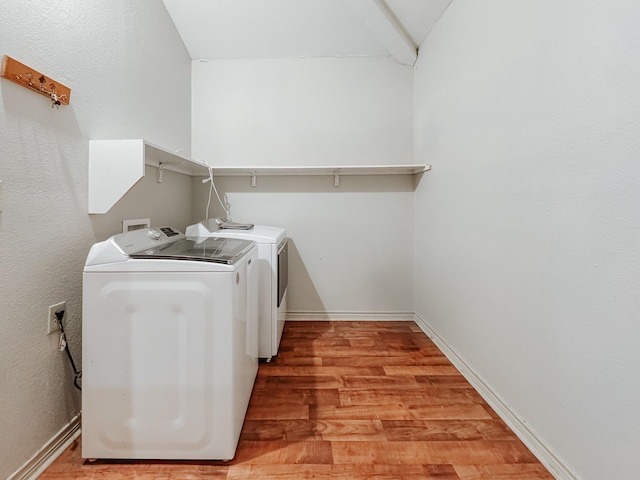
(167, 243)
(259, 233)
(209, 249)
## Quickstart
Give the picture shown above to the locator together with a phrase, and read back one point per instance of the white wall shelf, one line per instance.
(328, 170)
(117, 165)
(336, 171)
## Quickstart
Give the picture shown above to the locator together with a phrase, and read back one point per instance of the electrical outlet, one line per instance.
(52, 321)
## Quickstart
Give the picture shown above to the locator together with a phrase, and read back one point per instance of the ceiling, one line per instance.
(224, 29)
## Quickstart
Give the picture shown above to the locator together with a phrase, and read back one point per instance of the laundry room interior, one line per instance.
(486, 189)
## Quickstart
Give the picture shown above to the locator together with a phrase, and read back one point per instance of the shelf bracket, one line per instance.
(160, 173)
(253, 179)
(336, 178)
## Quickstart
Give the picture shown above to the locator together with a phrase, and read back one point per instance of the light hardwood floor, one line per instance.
(350, 400)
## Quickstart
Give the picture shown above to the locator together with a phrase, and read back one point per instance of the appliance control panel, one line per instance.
(145, 238)
(169, 232)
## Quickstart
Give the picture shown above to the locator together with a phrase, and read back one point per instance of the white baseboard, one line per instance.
(351, 316)
(555, 466)
(37, 464)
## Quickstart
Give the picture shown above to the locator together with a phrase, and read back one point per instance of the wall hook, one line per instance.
(56, 99)
(35, 81)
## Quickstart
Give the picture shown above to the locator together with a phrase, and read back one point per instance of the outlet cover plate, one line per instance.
(52, 324)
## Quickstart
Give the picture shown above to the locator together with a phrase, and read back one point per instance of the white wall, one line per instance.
(302, 111)
(317, 111)
(129, 76)
(528, 227)
(351, 247)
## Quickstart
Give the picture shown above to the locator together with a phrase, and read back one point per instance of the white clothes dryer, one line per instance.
(170, 350)
(273, 259)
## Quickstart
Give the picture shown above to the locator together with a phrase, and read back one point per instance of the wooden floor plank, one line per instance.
(286, 396)
(407, 359)
(283, 452)
(451, 381)
(276, 412)
(304, 381)
(449, 412)
(421, 370)
(502, 472)
(382, 381)
(447, 430)
(306, 430)
(345, 472)
(472, 452)
(361, 412)
(319, 370)
(441, 396)
(350, 400)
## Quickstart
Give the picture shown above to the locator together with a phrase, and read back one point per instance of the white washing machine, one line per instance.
(170, 351)
(274, 274)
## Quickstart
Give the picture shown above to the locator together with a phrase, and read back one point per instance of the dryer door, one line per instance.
(283, 270)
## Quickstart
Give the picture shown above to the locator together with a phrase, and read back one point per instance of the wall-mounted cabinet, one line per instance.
(116, 165)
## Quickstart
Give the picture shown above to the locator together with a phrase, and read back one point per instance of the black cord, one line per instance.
(78, 374)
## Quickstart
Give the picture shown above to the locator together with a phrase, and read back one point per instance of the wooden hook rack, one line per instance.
(33, 80)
